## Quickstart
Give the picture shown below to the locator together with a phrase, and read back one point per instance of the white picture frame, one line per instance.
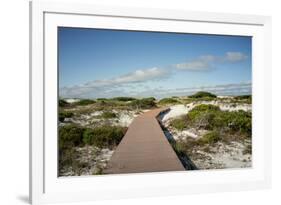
(45, 187)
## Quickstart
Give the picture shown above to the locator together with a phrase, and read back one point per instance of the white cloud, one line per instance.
(202, 63)
(207, 58)
(122, 85)
(139, 76)
(110, 86)
(222, 89)
(234, 56)
(193, 66)
(206, 62)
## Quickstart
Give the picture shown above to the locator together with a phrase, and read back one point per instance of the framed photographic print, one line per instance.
(129, 102)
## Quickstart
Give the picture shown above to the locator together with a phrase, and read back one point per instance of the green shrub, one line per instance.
(70, 135)
(179, 147)
(67, 157)
(108, 115)
(203, 94)
(88, 136)
(145, 103)
(104, 136)
(211, 117)
(205, 107)
(244, 98)
(179, 123)
(102, 103)
(124, 99)
(240, 121)
(85, 102)
(102, 99)
(150, 98)
(205, 121)
(64, 114)
(168, 101)
(63, 103)
(210, 138)
(202, 110)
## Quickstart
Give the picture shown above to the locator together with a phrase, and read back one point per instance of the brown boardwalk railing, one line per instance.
(144, 148)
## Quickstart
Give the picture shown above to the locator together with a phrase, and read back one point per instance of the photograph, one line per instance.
(146, 101)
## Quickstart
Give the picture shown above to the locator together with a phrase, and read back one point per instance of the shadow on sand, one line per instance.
(185, 160)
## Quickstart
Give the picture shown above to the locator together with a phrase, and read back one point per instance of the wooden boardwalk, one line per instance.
(144, 148)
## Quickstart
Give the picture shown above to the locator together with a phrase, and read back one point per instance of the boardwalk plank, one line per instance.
(144, 148)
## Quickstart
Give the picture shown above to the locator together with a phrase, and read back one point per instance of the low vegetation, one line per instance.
(203, 94)
(67, 158)
(108, 115)
(179, 123)
(144, 103)
(243, 99)
(210, 137)
(94, 125)
(64, 114)
(104, 137)
(63, 103)
(84, 102)
(210, 117)
(124, 99)
(72, 136)
(166, 101)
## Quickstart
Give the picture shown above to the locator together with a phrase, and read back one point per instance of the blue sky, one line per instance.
(97, 63)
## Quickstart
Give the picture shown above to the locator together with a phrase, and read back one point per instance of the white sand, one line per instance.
(96, 113)
(72, 100)
(189, 133)
(125, 118)
(223, 156)
(177, 135)
(178, 110)
(228, 106)
(94, 157)
(175, 111)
